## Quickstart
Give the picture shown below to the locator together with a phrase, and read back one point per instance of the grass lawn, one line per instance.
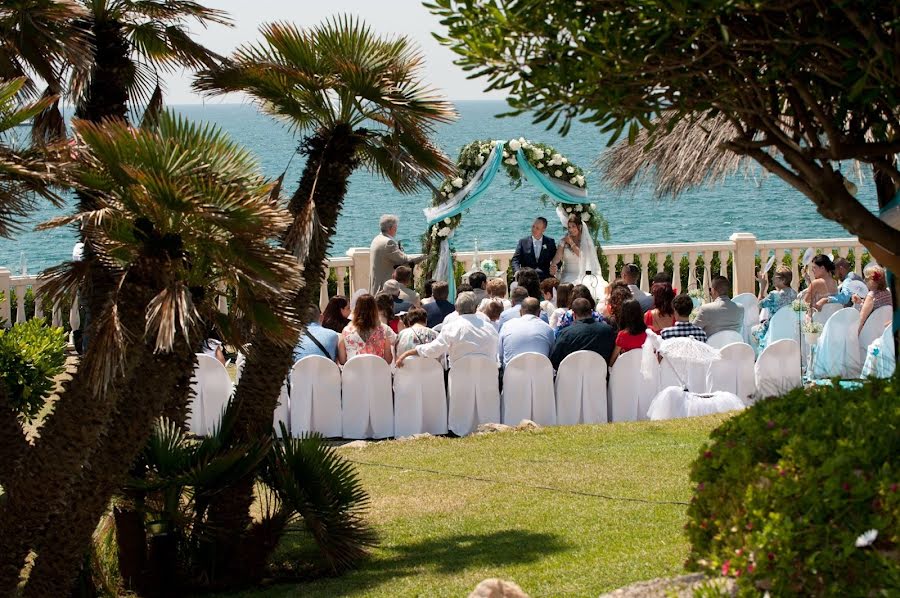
(565, 511)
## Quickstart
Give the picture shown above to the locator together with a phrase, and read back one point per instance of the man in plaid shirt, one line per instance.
(683, 327)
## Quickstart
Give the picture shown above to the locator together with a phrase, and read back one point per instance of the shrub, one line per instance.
(786, 491)
(31, 356)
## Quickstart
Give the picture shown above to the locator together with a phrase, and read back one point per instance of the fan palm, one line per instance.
(180, 210)
(359, 100)
(42, 39)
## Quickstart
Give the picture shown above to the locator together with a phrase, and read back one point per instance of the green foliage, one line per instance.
(785, 489)
(31, 356)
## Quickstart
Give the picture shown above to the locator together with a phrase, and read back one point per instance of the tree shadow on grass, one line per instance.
(443, 555)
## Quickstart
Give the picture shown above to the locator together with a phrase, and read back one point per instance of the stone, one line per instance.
(356, 444)
(490, 428)
(497, 588)
(527, 425)
(675, 587)
(414, 437)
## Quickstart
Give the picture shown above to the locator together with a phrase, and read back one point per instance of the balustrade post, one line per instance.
(744, 263)
(645, 276)
(20, 303)
(5, 287)
(361, 268)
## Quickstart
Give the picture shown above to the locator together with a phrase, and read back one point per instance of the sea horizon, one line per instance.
(758, 204)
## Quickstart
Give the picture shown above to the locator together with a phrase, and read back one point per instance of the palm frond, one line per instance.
(319, 485)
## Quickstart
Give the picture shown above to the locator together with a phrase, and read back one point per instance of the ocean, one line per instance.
(757, 204)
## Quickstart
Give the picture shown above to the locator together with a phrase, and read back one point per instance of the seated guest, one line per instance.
(529, 278)
(496, 291)
(585, 334)
(632, 329)
(630, 274)
(438, 309)
(579, 291)
(525, 334)
(782, 296)
(879, 295)
(852, 289)
(464, 288)
(337, 313)
(563, 300)
(415, 332)
(316, 339)
(392, 287)
(619, 293)
(466, 335)
(386, 311)
(519, 294)
(404, 277)
(548, 288)
(426, 292)
(722, 313)
(492, 312)
(366, 334)
(823, 285)
(661, 315)
(683, 306)
(478, 282)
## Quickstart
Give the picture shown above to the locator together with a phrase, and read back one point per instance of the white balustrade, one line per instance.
(351, 272)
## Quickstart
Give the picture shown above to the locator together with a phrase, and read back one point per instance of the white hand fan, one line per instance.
(809, 255)
(769, 264)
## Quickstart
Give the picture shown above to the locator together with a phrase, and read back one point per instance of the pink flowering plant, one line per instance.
(799, 495)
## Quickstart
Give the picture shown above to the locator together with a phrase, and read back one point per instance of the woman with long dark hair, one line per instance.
(663, 314)
(632, 329)
(365, 334)
(337, 314)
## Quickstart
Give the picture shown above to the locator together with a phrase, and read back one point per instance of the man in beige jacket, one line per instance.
(385, 254)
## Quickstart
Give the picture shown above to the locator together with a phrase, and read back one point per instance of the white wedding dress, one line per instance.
(570, 272)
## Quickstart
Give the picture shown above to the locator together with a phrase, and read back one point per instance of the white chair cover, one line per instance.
(528, 390)
(581, 389)
(675, 402)
(786, 323)
(881, 360)
(239, 363)
(751, 312)
(837, 352)
(282, 411)
(828, 310)
(316, 397)
(725, 337)
(734, 373)
(679, 372)
(474, 394)
(212, 388)
(873, 328)
(630, 392)
(420, 399)
(368, 407)
(778, 368)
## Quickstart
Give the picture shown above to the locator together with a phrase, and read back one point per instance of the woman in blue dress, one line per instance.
(783, 295)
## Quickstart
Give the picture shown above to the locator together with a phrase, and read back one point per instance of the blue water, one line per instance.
(765, 206)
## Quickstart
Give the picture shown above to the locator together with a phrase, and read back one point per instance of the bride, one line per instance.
(578, 254)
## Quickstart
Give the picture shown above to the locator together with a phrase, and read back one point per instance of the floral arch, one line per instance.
(559, 180)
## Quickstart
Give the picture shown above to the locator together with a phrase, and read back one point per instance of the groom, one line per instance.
(536, 251)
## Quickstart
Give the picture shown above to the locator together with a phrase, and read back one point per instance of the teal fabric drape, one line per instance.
(436, 214)
(558, 191)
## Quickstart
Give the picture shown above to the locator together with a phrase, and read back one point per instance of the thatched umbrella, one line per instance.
(687, 156)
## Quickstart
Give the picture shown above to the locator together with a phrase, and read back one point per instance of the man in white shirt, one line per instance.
(630, 274)
(526, 334)
(466, 335)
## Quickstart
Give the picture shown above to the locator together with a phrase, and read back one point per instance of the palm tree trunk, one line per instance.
(61, 549)
(331, 159)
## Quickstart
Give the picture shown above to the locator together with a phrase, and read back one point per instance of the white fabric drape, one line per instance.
(442, 269)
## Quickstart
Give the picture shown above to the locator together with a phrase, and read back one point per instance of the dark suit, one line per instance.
(584, 335)
(437, 311)
(525, 258)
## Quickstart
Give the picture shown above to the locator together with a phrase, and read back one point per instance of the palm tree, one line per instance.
(26, 173)
(180, 210)
(359, 100)
(43, 39)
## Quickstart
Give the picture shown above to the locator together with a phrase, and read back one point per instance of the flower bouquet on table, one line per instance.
(489, 267)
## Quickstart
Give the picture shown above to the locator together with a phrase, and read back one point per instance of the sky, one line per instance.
(387, 17)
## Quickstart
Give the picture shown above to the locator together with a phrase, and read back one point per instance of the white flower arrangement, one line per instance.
(510, 161)
(558, 174)
(489, 267)
(812, 327)
(579, 208)
(570, 169)
(448, 220)
(444, 232)
(798, 305)
(586, 217)
(514, 145)
(457, 182)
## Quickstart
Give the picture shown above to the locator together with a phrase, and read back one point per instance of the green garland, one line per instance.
(543, 157)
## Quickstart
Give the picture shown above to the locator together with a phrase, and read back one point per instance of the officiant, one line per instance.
(386, 254)
(536, 251)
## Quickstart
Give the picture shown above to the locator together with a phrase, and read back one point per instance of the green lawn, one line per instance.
(571, 511)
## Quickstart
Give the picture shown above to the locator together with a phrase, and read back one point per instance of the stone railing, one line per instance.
(736, 258)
